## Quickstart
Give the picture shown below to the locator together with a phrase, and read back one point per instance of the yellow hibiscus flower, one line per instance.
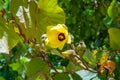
(57, 36)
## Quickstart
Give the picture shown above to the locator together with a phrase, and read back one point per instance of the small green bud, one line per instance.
(81, 48)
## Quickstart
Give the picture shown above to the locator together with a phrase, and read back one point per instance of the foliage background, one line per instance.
(23, 22)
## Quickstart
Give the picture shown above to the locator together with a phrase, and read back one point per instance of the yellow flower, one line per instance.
(57, 36)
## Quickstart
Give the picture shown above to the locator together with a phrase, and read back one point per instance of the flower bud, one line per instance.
(69, 54)
(81, 48)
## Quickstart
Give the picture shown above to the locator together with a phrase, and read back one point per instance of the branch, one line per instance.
(85, 65)
(47, 60)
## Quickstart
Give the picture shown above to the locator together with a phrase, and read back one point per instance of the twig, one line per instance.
(46, 59)
(85, 65)
(107, 73)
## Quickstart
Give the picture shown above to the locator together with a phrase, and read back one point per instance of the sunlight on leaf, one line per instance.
(4, 45)
(86, 75)
(103, 59)
(52, 11)
(20, 15)
(35, 17)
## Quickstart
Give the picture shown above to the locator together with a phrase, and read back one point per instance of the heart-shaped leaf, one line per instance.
(114, 34)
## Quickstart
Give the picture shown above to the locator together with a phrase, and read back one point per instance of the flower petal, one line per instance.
(61, 45)
(54, 35)
(69, 39)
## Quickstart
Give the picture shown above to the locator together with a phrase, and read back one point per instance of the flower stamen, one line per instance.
(61, 37)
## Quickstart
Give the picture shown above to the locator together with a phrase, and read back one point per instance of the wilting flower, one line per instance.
(108, 65)
(57, 36)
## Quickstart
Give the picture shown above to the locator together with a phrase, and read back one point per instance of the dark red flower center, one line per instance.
(61, 37)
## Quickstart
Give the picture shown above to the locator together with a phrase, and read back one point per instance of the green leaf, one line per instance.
(89, 57)
(71, 67)
(15, 66)
(75, 76)
(34, 18)
(50, 14)
(14, 5)
(8, 33)
(36, 67)
(6, 5)
(108, 21)
(2, 78)
(86, 75)
(13, 38)
(24, 60)
(4, 45)
(39, 78)
(101, 76)
(111, 9)
(61, 77)
(53, 13)
(117, 70)
(114, 34)
(96, 78)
